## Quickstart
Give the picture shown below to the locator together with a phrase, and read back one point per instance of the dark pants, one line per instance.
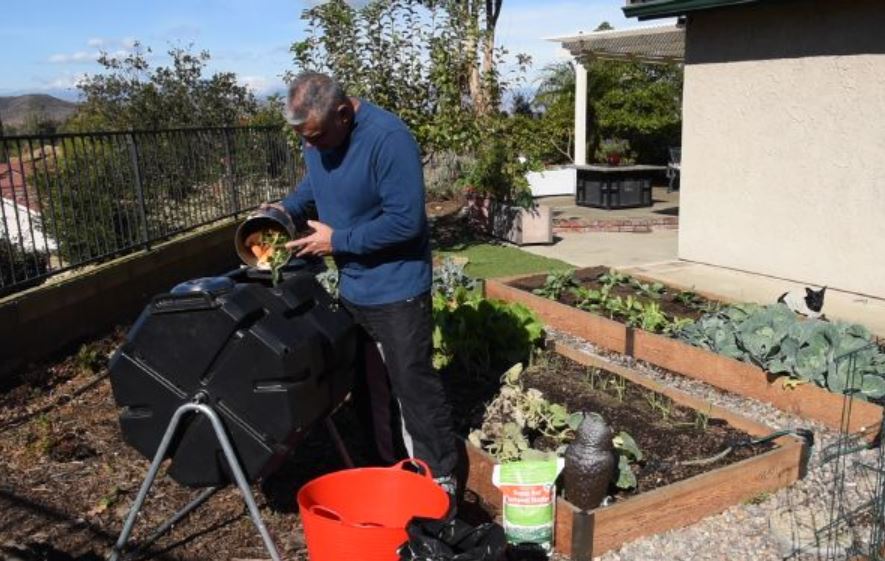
(405, 379)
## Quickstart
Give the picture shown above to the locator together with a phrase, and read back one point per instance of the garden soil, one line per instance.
(589, 278)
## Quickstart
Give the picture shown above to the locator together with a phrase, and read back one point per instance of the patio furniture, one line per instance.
(611, 187)
(673, 168)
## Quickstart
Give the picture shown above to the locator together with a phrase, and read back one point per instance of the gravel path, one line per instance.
(769, 527)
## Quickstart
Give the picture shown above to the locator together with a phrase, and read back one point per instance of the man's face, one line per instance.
(326, 133)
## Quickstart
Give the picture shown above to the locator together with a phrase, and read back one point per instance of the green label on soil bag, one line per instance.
(528, 515)
(529, 499)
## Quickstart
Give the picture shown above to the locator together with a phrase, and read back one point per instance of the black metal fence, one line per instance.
(72, 199)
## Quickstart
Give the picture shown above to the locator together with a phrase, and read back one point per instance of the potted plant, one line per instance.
(499, 199)
(613, 151)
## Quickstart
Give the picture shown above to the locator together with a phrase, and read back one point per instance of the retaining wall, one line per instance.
(39, 323)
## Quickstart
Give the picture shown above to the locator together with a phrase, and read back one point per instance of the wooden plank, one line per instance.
(691, 500)
(668, 507)
(604, 332)
(807, 400)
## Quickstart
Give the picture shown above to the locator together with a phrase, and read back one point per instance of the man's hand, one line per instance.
(318, 243)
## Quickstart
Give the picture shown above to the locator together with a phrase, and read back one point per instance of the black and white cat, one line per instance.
(809, 305)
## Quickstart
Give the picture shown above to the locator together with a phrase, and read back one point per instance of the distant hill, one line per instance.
(15, 110)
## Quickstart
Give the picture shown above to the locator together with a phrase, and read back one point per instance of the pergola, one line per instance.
(653, 45)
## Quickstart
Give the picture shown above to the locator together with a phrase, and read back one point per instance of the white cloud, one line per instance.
(115, 47)
(262, 85)
(77, 57)
(354, 3)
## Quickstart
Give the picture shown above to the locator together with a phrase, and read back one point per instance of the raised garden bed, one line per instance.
(670, 494)
(807, 401)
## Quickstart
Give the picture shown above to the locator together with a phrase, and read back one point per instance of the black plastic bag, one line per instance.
(452, 540)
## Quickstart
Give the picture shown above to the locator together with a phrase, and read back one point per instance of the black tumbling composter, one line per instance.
(272, 361)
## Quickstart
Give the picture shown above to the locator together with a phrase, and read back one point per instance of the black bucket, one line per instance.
(264, 219)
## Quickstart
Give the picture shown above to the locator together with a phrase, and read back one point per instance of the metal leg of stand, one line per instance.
(233, 463)
(242, 483)
(178, 516)
(148, 481)
(339, 442)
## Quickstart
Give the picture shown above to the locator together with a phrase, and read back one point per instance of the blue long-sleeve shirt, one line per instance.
(370, 191)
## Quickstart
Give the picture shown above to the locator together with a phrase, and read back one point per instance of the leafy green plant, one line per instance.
(556, 284)
(652, 318)
(614, 278)
(653, 290)
(498, 171)
(590, 299)
(688, 298)
(628, 453)
(480, 334)
(837, 356)
(676, 325)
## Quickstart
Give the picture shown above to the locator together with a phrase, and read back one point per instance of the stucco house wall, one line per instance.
(784, 142)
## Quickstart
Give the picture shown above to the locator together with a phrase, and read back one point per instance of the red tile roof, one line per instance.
(14, 185)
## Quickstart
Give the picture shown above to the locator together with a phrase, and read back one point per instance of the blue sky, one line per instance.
(56, 41)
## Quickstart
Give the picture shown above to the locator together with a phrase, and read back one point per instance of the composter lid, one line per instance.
(211, 285)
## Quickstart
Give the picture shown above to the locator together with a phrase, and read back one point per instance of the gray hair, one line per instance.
(312, 93)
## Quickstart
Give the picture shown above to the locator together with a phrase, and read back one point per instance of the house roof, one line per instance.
(651, 9)
(14, 187)
(655, 44)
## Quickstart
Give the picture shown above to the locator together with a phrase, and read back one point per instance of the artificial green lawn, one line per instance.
(489, 260)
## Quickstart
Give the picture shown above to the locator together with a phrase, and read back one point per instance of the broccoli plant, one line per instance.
(450, 277)
(840, 357)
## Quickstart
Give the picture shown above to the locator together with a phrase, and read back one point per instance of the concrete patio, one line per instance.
(569, 217)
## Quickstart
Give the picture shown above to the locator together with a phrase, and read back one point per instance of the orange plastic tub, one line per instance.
(362, 513)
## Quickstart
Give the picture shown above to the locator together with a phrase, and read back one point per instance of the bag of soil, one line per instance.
(452, 540)
(529, 489)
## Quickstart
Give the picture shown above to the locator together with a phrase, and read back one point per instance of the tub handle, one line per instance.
(332, 515)
(415, 462)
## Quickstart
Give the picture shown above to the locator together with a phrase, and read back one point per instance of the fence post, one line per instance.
(139, 188)
(229, 170)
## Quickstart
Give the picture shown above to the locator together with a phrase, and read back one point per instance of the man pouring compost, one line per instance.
(365, 179)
